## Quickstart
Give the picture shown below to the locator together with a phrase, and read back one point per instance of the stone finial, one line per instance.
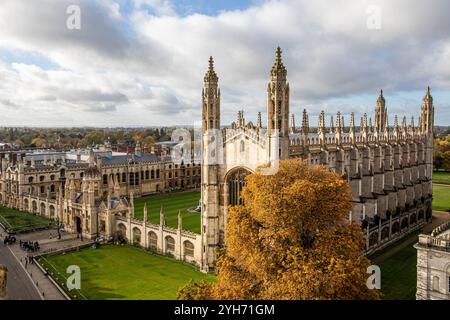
(381, 97)
(331, 124)
(305, 122)
(352, 126)
(428, 97)
(259, 121)
(322, 120)
(278, 67)
(292, 123)
(162, 220)
(352, 121)
(180, 220)
(338, 122)
(145, 213)
(211, 73)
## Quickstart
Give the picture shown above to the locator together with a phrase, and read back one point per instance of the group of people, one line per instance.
(9, 240)
(29, 246)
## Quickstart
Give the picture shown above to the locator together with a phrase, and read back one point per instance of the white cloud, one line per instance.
(145, 67)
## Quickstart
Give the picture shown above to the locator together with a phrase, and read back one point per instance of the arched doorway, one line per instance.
(78, 225)
(236, 182)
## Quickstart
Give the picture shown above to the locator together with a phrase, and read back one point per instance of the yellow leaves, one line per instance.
(290, 240)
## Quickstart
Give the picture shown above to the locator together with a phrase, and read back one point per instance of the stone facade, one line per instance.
(388, 168)
(433, 264)
(92, 193)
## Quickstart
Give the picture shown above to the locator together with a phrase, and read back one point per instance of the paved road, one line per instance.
(19, 286)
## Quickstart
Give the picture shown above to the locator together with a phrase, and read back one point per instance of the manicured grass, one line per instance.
(441, 197)
(441, 177)
(171, 203)
(399, 275)
(18, 221)
(124, 273)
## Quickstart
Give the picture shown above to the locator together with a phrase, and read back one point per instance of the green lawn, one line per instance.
(171, 203)
(441, 177)
(441, 197)
(399, 275)
(18, 221)
(124, 273)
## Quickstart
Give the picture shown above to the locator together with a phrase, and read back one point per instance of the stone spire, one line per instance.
(292, 123)
(211, 73)
(365, 128)
(278, 66)
(331, 124)
(427, 114)
(321, 127)
(210, 100)
(132, 204)
(278, 113)
(259, 122)
(370, 125)
(380, 112)
(386, 128)
(395, 121)
(352, 126)
(145, 213)
(180, 220)
(338, 122)
(162, 220)
(404, 126)
(305, 122)
(411, 126)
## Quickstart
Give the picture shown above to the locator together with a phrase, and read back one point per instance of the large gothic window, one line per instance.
(236, 183)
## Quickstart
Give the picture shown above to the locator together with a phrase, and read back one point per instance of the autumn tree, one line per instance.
(290, 240)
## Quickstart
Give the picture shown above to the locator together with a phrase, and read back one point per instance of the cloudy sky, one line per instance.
(141, 62)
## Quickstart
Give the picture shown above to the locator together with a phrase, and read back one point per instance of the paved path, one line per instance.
(26, 281)
(19, 285)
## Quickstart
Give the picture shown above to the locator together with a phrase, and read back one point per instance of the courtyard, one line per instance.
(441, 190)
(122, 272)
(17, 221)
(171, 204)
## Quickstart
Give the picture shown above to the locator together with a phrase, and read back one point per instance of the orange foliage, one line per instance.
(291, 240)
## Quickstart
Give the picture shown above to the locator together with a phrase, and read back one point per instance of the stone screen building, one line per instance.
(433, 264)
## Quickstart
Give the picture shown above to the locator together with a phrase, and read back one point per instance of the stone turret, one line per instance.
(292, 124)
(162, 219)
(180, 220)
(352, 127)
(278, 106)
(211, 99)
